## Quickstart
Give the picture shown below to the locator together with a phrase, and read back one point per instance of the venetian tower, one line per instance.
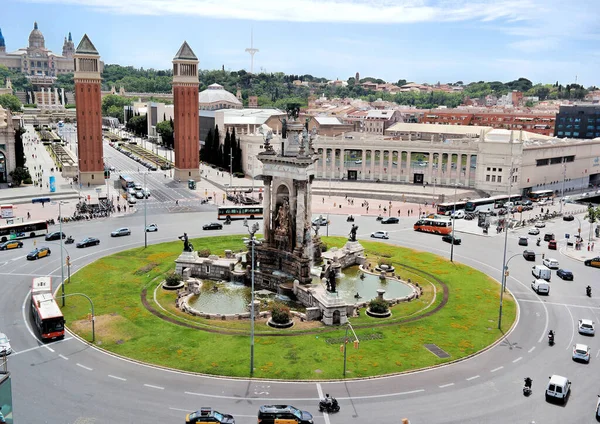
(186, 126)
(89, 113)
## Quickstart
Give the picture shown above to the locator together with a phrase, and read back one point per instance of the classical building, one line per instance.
(579, 121)
(186, 130)
(89, 113)
(8, 125)
(40, 65)
(216, 97)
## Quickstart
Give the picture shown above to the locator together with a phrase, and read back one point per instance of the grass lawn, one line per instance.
(466, 324)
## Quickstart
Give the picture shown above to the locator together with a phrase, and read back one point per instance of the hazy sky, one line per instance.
(417, 40)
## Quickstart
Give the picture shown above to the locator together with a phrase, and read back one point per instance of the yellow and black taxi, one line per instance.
(594, 262)
(209, 415)
(11, 244)
(38, 253)
(283, 414)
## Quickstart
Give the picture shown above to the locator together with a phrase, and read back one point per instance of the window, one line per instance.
(493, 178)
(576, 134)
(541, 162)
(569, 159)
(554, 161)
(560, 133)
(499, 169)
(494, 169)
(488, 169)
(487, 178)
(499, 178)
(568, 133)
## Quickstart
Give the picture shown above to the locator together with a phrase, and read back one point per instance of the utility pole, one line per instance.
(562, 191)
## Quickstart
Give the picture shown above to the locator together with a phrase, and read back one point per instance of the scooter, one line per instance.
(350, 219)
(551, 339)
(329, 404)
(69, 240)
(527, 386)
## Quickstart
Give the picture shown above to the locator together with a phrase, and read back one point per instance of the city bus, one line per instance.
(126, 182)
(47, 316)
(240, 212)
(536, 196)
(448, 207)
(490, 203)
(23, 230)
(433, 225)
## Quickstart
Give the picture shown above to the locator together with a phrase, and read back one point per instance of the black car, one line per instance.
(568, 218)
(209, 415)
(390, 220)
(529, 255)
(86, 242)
(565, 274)
(548, 236)
(270, 414)
(212, 226)
(523, 241)
(56, 235)
(448, 238)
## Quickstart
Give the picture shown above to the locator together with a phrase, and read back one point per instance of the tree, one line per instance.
(10, 102)
(165, 130)
(206, 149)
(138, 125)
(227, 151)
(20, 157)
(19, 175)
(216, 153)
(592, 216)
(113, 105)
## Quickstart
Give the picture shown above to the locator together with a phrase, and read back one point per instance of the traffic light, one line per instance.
(543, 256)
(106, 174)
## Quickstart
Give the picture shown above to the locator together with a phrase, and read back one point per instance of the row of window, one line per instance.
(590, 118)
(498, 178)
(554, 161)
(589, 134)
(577, 127)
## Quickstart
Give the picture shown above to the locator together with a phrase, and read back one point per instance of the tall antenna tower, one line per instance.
(252, 51)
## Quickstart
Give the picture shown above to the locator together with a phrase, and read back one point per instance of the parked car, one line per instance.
(581, 352)
(568, 218)
(40, 252)
(449, 238)
(548, 236)
(380, 234)
(121, 232)
(11, 244)
(283, 414)
(533, 231)
(565, 274)
(146, 192)
(529, 255)
(213, 226)
(586, 326)
(523, 241)
(550, 263)
(540, 224)
(209, 415)
(594, 262)
(56, 235)
(152, 228)
(320, 221)
(89, 241)
(5, 348)
(390, 220)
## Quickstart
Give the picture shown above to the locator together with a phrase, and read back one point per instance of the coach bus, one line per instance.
(490, 203)
(448, 207)
(23, 230)
(536, 196)
(240, 212)
(126, 182)
(433, 225)
(47, 316)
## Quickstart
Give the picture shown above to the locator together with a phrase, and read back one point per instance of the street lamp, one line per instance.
(562, 191)
(504, 262)
(145, 213)
(62, 247)
(453, 221)
(252, 231)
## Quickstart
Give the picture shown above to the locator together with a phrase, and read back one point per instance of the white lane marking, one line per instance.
(572, 329)
(154, 387)
(531, 350)
(446, 385)
(50, 349)
(325, 414)
(570, 305)
(84, 367)
(472, 378)
(496, 369)
(64, 357)
(518, 359)
(301, 399)
(117, 378)
(598, 353)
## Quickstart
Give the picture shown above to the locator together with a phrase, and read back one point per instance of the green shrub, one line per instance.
(28, 181)
(385, 261)
(33, 106)
(280, 313)
(379, 306)
(204, 253)
(173, 279)
(323, 247)
(70, 107)
(239, 175)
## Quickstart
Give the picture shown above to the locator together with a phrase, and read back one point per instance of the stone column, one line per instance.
(267, 213)
(62, 96)
(440, 173)
(364, 165)
(408, 165)
(342, 163)
(468, 171)
(300, 212)
(56, 102)
(430, 169)
(42, 98)
(390, 167)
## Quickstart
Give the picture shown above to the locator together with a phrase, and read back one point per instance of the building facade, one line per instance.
(578, 121)
(8, 125)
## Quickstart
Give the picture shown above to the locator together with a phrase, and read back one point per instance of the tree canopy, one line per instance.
(11, 102)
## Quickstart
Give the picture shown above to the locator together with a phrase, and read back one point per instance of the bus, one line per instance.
(47, 316)
(240, 212)
(433, 225)
(448, 207)
(126, 182)
(536, 196)
(23, 230)
(490, 203)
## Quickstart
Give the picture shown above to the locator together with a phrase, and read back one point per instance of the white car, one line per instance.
(5, 348)
(458, 214)
(151, 228)
(380, 234)
(533, 231)
(586, 326)
(540, 224)
(581, 352)
(550, 263)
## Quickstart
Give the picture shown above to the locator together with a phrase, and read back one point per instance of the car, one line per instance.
(11, 244)
(5, 348)
(568, 218)
(565, 274)
(523, 241)
(40, 252)
(548, 236)
(550, 263)
(380, 234)
(89, 241)
(131, 200)
(213, 226)
(598, 409)
(283, 413)
(146, 192)
(390, 220)
(529, 255)
(581, 352)
(458, 214)
(208, 415)
(151, 228)
(552, 245)
(358, 162)
(139, 194)
(586, 326)
(56, 235)
(594, 262)
(526, 203)
(121, 232)
(112, 168)
(449, 238)
(558, 388)
(320, 221)
(131, 191)
(540, 224)
(533, 231)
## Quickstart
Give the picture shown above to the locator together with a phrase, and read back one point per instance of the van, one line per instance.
(542, 272)
(558, 389)
(540, 286)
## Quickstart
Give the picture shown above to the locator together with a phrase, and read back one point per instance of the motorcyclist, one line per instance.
(328, 400)
(588, 290)
(528, 382)
(539, 240)
(551, 336)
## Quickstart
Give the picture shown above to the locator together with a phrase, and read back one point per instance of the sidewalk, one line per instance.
(583, 254)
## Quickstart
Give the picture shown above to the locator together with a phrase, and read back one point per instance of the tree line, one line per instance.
(226, 155)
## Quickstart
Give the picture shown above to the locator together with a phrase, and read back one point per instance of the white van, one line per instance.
(540, 286)
(541, 272)
(558, 388)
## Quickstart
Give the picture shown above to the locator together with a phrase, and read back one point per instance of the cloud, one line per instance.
(533, 45)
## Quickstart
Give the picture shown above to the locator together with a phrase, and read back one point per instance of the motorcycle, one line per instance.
(329, 404)
(350, 218)
(69, 240)
(379, 218)
(551, 339)
(527, 386)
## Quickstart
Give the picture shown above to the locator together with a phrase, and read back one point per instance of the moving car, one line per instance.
(271, 414)
(581, 352)
(213, 226)
(121, 232)
(564, 274)
(321, 221)
(540, 286)
(594, 262)
(38, 253)
(449, 238)
(540, 224)
(146, 192)
(5, 348)
(458, 214)
(533, 231)
(131, 200)
(208, 415)
(529, 255)
(558, 388)
(552, 245)
(11, 244)
(586, 326)
(548, 236)
(541, 271)
(550, 263)
(380, 234)
(151, 228)
(523, 241)
(139, 194)
(54, 236)
(86, 242)
(390, 220)
(568, 218)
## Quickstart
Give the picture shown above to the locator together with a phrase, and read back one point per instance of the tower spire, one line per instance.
(252, 51)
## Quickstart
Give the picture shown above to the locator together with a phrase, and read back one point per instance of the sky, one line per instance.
(417, 40)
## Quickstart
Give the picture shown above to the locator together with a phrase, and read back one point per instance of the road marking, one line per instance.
(518, 359)
(325, 414)
(443, 386)
(472, 378)
(117, 378)
(64, 357)
(84, 367)
(570, 305)
(531, 350)
(572, 329)
(154, 387)
(496, 369)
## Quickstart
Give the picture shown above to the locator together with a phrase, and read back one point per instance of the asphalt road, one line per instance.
(70, 382)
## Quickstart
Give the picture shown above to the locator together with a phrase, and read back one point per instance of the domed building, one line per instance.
(215, 97)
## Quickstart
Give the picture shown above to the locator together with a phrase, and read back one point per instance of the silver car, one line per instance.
(121, 232)
(581, 352)
(5, 348)
(586, 326)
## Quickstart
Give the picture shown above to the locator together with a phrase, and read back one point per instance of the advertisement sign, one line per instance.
(52, 182)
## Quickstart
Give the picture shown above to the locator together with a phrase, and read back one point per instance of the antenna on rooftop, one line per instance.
(252, 51)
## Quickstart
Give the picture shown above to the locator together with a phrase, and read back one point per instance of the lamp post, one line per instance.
(504, 262)
(562, 191)
(453, 220)
(62, 261)
(345, 346)
(145, 213)
(252, 231)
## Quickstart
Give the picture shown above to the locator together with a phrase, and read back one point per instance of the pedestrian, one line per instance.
(592, 246)
(367, 208)
(398, 212)
(323, 200)
(28, 215)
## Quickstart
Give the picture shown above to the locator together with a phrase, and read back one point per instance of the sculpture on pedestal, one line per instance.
(187, 246)
(352, 236)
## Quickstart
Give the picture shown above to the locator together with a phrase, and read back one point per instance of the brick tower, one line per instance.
(186, 126)
(89, 113)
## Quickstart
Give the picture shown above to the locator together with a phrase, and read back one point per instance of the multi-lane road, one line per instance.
(71, 382)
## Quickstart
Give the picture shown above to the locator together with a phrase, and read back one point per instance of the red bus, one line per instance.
(433, 225)
(47, 316)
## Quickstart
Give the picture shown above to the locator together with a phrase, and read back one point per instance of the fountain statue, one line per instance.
(352, 236)
(187, 246)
